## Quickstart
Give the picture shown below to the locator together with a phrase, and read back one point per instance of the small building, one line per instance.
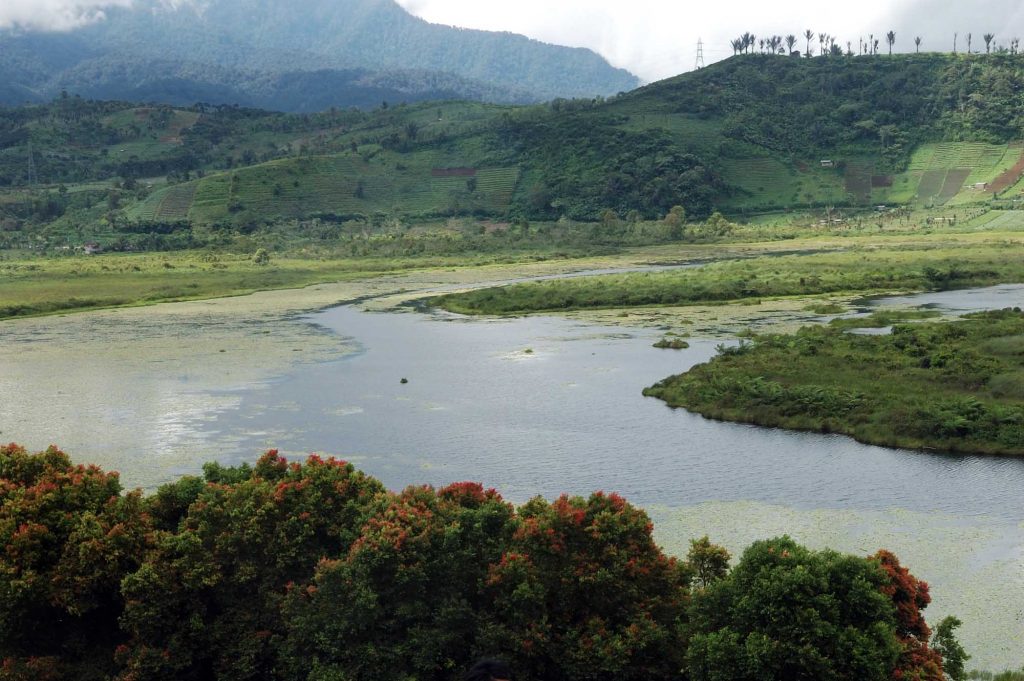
(91, 248)
(981, 186)
(828, 163)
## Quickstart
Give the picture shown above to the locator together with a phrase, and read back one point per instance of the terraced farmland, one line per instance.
(210, 201)
(771, 184)
(176, 203)
(1004, 220)
(349, 185)
(947, 172)
(146, 210)
(764, 183)
(857, 180)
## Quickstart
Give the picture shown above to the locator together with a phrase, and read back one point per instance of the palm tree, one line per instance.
(790, 42)
(737, 45)
(968, 43)
(917, 44)
(890, 38)
(849, 48)
(821, 43)
(871, 41)
(988, 41)
(954, 42)
(808, 34)
(874, 49)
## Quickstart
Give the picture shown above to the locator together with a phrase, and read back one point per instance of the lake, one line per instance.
(546, 405)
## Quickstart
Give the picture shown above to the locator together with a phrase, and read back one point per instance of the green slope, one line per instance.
(752, 134)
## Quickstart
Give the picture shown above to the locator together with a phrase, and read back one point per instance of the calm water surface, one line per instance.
(569, 417)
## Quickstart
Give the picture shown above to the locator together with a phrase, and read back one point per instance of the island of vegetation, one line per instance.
(953, 386)
(912, 267)
(303, 571)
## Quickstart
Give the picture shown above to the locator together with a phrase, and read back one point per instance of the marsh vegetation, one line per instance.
(951, 386)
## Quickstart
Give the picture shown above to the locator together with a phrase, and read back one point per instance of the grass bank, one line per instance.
(943, 263)
(955, 386)
(34, 286)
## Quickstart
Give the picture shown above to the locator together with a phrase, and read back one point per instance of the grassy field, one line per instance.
(901, 265)
(44, 286)
(955, 386)
(34, 285)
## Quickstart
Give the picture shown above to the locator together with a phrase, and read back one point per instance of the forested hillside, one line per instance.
(248, 52)
(753, 134)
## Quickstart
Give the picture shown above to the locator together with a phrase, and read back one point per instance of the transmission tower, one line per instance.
(33, 180)
(700, 55)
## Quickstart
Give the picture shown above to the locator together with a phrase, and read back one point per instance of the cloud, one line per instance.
(656, 39)
(66, 15)
(653, 38)
(935, 21)
(54, 15)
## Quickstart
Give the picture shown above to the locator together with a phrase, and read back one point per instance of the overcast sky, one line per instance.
(654, 38)
(658, 38)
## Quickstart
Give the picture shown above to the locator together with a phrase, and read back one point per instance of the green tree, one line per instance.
(708, 562)
(675, 220)
(785, 612)
(954, 657)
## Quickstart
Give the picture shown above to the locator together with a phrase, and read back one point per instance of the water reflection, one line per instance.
(542, 405)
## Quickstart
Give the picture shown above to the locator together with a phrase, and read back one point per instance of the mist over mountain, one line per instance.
(275, 54)
(936, 22)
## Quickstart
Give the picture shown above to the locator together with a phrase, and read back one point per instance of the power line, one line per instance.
(700, 55)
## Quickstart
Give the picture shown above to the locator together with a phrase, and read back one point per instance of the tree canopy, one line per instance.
(287, 570)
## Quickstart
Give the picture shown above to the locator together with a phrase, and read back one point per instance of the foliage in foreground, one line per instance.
(956, 386)
(313, 571)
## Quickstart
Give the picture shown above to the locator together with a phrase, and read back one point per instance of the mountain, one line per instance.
(753, 134)
(348, 52)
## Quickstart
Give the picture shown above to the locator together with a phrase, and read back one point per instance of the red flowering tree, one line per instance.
(909, 595)
(69, 537)
(406, 600)
(583, 592)
(206, 602)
